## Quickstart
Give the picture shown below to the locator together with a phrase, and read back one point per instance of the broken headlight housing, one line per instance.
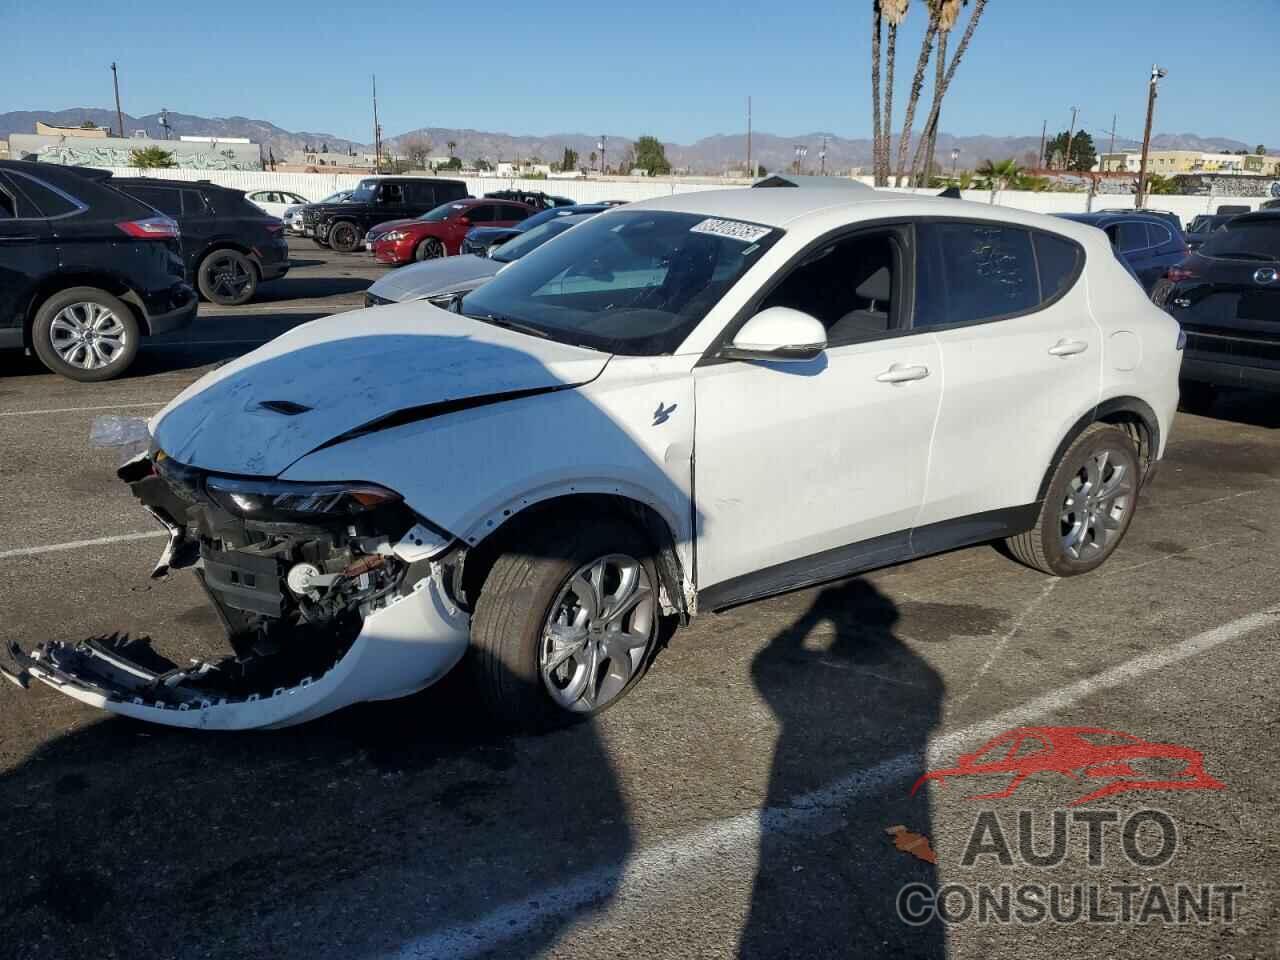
(286, 500)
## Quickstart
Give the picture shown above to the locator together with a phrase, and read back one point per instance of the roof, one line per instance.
(810, 182)
(1099, 215)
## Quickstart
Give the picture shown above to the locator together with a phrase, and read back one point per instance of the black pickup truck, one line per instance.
(343, 225)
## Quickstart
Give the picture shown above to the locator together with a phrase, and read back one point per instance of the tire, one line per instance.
(1071, 537)
(511, 637)
(428, 249)
(322, 244)
(344, 237)
(227, 278)
(85, 310)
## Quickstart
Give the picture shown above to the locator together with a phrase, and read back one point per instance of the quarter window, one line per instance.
(1057, 259)
(48, 201)
(1157, 235)
(8, 209)
(968, 272)
(1128, 236)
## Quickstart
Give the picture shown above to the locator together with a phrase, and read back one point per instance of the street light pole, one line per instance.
(955, 155)
(1156, 75)
(115, 80)
(822, 159)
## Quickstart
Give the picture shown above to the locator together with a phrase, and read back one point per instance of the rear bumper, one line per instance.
(176, 313)
(400, 649)
(1226, 374)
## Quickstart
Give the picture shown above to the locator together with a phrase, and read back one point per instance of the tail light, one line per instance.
(1180, 273)
(275, 226)
(151, 228)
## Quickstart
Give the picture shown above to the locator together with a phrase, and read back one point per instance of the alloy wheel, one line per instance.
(598, 633)
(87, 335)
(228, 276)
(1096, 503)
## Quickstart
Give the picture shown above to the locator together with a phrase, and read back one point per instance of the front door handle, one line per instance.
(1068, 348)
(897, 373)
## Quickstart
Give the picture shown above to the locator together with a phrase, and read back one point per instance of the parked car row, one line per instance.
(90, 263)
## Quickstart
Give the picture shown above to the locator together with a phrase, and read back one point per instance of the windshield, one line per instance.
(365, 192)
(634, 282)
(442, 212)
(1256, 240)
(530, 240)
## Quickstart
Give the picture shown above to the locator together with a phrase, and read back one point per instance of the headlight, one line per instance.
(282, 500)
(393, 235)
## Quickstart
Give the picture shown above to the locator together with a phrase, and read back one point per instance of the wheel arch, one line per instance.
(507, 524)
(107, 282)
(227, 243)
(1130, 413)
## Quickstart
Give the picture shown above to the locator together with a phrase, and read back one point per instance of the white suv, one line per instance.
(675, 407)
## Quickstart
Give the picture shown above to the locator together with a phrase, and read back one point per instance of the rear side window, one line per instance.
(1058, 260)
(49, 202)
(166, 201)
(193, 204)
(1158, 236)
(968, 272)
(1129, 236)
(512, 212)
(8, 208)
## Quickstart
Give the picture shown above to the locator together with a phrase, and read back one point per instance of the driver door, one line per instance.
(808, 470)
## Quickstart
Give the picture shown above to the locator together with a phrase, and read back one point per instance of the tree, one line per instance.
(940, 91)
(151, 158)
(452, 145)
(570, 159)
(481, 164)
(417, 148)
(1260, 150)
(892, 12)
(1083, 153)
(626, 161)
(948, 11)
(917, 86)
(453, 163)
(90, 125)
(1156, 183)
(651, 156)
(593, 159)
(997, 176)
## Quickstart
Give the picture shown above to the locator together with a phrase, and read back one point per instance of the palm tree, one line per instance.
(452, 145)
(948, 13)
(893, 12)
(941, 90)
(152, 158)
(876, 133)
(593, 159)
(996, 176)
(917, 86)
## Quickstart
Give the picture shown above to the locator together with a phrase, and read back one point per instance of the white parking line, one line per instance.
(657, 871)
(105, 406)
(79, 544)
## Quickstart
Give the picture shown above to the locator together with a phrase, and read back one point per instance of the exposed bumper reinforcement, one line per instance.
(401, 648)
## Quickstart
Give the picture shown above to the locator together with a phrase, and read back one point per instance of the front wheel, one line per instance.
(428, 249)
(1088, 506)
(565, 624)
(344, 237)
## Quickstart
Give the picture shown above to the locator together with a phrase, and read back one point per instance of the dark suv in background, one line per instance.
(1150, 243)
(1226, 295)
(342, 226)
(229, 244)
(85, 270)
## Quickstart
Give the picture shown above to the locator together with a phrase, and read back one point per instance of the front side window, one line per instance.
(969, 272)
(635, 282)
(366, 191)
(443, 212)
(851, 285)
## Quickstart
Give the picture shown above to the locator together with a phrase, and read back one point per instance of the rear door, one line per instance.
(27, 254)
(1021, 362)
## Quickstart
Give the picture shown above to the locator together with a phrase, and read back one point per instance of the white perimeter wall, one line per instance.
(315, 186)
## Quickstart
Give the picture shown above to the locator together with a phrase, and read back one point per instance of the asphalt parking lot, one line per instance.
(736, 804)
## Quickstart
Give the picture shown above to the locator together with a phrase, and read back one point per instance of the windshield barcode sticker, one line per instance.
(733, 229)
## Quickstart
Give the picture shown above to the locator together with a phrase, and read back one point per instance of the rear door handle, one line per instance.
(1068, 348)
(900, 374)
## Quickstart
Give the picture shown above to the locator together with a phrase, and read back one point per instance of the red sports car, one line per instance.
(439, 232)
(1080, 753)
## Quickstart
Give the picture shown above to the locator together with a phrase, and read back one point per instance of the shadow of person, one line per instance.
(848, 696)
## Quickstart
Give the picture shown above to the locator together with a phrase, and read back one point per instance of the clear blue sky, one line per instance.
(679, 70)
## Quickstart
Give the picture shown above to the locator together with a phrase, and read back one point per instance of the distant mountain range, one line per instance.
(713, 154)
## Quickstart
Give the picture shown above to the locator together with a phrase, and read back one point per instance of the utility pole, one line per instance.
(1071, 135)
(377, 129)
(602, 144)
(1044, 128)
(1156, 75)
(751, 171)
(1112, 148)
(115, 80)
(822, 158)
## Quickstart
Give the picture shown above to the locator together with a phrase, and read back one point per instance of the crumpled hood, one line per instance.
(434, 276)
(334, 375)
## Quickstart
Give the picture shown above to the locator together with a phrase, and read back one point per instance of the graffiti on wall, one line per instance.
(107, 156)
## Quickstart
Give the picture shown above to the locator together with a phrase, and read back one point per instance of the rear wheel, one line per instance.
(85, 334)
(344, 237)
(227, 278)
(1088, 506)
(566, 623)
(428, 249)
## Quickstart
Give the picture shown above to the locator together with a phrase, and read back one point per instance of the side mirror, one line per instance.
(778, 333)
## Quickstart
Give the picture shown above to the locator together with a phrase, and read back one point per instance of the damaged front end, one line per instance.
(329, 594)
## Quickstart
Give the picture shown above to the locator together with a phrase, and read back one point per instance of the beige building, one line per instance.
(49, 130)
(1170, 162)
